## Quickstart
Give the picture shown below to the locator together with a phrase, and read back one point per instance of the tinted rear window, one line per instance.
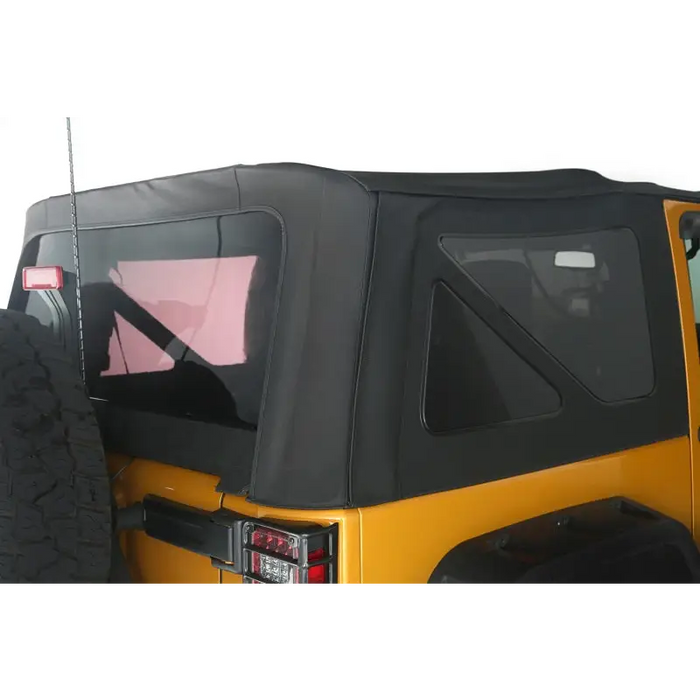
(178, 316)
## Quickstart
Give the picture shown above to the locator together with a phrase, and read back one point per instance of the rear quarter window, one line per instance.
(580, 295)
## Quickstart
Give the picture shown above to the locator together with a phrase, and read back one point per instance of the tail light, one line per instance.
(274, 555)
(262, 551)
(40, 278)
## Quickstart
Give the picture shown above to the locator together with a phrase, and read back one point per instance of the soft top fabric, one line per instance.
(336, 412)
(215, 190)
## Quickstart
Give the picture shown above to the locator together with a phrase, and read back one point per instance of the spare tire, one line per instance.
(55, 502)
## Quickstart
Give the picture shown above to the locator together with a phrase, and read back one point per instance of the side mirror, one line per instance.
(574, 260)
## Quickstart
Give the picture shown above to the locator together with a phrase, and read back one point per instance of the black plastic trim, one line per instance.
(614, 540)
(217, 535)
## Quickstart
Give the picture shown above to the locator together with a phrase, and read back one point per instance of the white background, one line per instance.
(113, 149)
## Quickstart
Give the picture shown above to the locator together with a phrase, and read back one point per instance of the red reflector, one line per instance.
(36, 278)
(317, 554)
(317, 574)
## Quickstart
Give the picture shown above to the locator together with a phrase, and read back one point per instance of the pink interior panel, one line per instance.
(201, 301)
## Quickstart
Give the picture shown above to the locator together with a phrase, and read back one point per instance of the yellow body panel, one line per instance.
(402, 542)
(674, 210)
(405, 540)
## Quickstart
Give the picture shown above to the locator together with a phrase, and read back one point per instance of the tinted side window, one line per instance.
(580, 295)
(473, 377)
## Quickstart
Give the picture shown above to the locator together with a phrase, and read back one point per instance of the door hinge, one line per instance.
(217, 535)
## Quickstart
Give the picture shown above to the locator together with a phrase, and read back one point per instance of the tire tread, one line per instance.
(55, 503)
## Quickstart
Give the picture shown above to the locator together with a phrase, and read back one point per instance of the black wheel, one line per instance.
(55, 503)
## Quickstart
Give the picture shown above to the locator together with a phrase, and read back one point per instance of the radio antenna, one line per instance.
(76, 251)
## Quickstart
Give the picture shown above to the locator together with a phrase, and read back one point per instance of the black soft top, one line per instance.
(336, 418)
(213, 190)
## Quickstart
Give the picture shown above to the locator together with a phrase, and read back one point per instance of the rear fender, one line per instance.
(609, 541)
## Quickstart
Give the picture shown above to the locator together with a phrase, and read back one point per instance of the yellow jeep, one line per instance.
(289, 374)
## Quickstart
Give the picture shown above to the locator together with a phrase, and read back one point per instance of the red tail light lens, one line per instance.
(277, 556)
(275, 541)
(38, 278)
(318, 573)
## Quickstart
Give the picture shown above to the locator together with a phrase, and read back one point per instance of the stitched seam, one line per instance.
(368, 274)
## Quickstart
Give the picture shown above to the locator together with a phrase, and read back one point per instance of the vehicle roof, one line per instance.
(210, 190)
